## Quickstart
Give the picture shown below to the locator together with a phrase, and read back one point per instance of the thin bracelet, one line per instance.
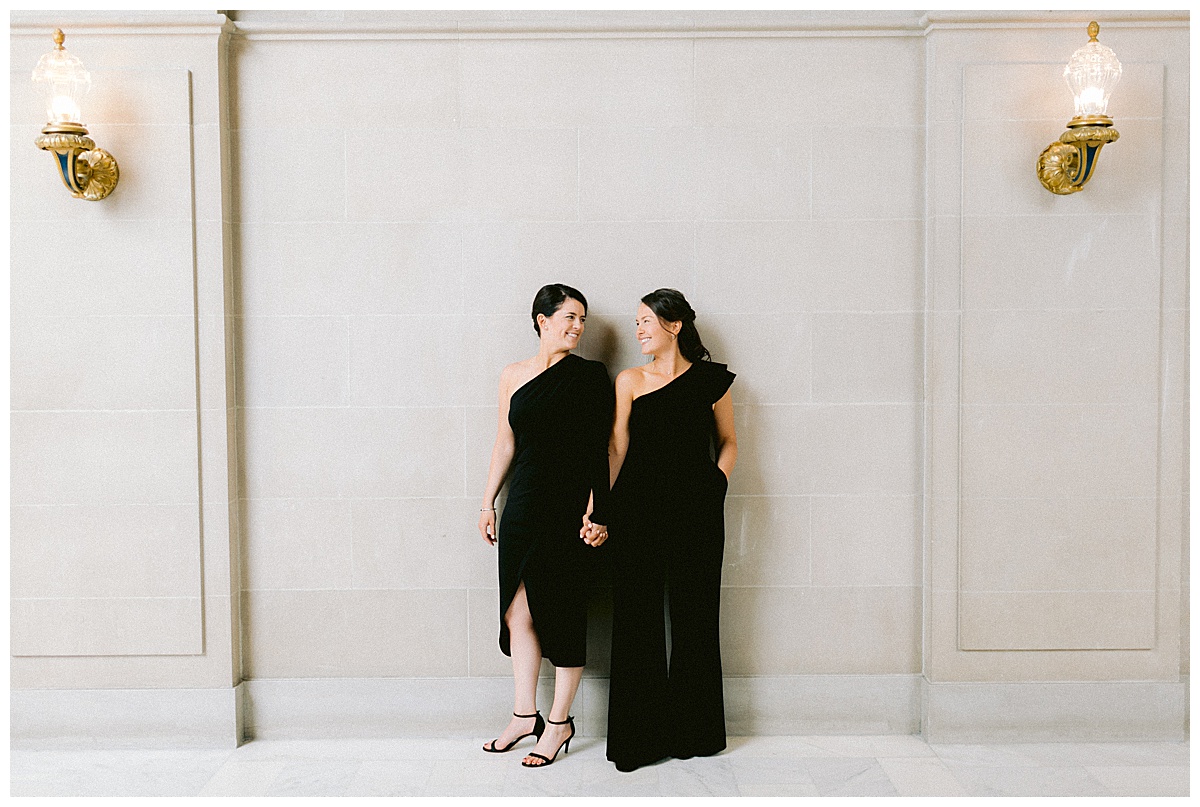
(487, 509)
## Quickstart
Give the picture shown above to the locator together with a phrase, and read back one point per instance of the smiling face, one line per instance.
(564, 329)
(655, 336)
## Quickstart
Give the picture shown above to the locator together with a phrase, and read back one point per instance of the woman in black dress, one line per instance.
(672, 416)
(555, 417)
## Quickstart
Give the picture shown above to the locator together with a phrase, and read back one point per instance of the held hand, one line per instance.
(487, 526)
(594, 534)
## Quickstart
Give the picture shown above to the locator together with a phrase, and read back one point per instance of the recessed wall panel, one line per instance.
(105, 458)
(1060, 379)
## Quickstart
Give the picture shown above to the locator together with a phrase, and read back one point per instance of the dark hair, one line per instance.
(550, 298)
(670, 305)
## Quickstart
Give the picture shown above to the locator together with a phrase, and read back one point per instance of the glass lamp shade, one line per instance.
(65, 82)
(1092, 74)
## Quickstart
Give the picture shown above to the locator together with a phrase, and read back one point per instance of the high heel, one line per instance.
(565, 746)
(539, 726)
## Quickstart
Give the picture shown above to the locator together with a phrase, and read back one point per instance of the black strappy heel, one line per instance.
(539, 726)
(565, 747)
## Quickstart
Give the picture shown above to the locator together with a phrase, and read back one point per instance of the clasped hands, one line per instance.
(592, 534)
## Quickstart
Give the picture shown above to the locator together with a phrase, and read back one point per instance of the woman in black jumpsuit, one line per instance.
(552, 443)
(668, 533)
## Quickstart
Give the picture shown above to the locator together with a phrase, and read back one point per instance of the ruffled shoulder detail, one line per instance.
(716, 379)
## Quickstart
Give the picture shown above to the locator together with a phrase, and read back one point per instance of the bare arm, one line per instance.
(726, 436)
(502, 456)
(618, 443)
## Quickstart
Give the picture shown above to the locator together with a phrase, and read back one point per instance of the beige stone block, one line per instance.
(349, 268)
(412, 82)
(302, 453)
(858, 449)
(1028, 357)
(994, 92)
(866, 541)
(614, 264)
(781, 375)
(392, 454)
(514, 83)
(103, 362)
(867, 357)
(294, 361)
(942, 547)
(1106, 262)
(274, 186)
(1014, 545)
(349, 634)
(407, 361)
(155, 182)
(943, 358)
(481, 425)
(1075, 451)
(102, 551)
(520, 174)
(495, 342)
(1174, 378)
(943, 447)
(945, 159)
(1176, 136)
(485, 656)
(944, 235)
(742, 81)
(213, 192)
(211, 670)
(1173, 553)
(749, 267)
(424, 178)
(128, 457)
(413, 543)
(754, 173)
(296, 544)
(1143, 89)
(878, 630)
(107, 626)
(464, 175)
(123, 268)
(883, 180)
(1174, 445)
(773, 450)
(827, 449)
(214, 269)
(767, 541)
(638, 174)
(1056, 620)
(215, 373)
(998, 177)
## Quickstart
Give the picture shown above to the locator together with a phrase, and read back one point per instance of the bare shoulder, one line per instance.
(631, 380)
(514, 375)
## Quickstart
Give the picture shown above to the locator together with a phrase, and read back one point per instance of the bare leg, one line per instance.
(527, 661)
(566, 684)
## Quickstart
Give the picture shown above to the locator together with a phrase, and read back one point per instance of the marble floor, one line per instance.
(893, 765)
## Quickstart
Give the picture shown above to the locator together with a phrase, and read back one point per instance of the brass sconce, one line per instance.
(88, 172)
(1066, 165)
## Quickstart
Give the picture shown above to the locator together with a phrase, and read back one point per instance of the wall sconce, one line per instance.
(88, 172)
(1066, 165)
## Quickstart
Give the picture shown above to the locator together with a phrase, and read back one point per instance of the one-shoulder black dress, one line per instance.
(561, 420)
(667, 537)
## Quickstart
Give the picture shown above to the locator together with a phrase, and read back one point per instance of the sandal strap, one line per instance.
(570, 719)
(539, 756)
(535, 714)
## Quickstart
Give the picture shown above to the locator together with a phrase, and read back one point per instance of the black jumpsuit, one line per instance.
(561, 420)
(667, 538)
